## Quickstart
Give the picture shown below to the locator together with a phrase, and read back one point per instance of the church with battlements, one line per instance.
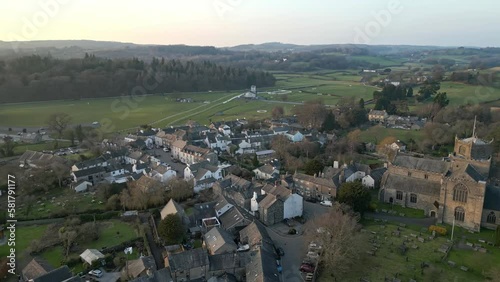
(462, 188)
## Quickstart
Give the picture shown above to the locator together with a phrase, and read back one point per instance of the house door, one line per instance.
(433, 214)
(391, 200)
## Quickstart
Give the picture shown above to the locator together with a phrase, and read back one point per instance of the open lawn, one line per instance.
(389, 260)
(24, 236)
(48, 145)
(376, 133)
(384, 62)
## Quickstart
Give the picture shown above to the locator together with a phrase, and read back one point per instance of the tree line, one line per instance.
(37, 78)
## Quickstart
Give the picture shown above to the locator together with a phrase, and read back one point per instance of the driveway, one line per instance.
(109, 277)
(166, 158)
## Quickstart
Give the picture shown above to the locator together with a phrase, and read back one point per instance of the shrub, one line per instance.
(292, 231)
(439, 229)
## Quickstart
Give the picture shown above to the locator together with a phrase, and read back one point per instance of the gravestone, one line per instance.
(401, 214)
(421, 240)
(483, 250)
(451, 263)
(469, 244)
(413, 235)
(464, 268)
(402, 225)
(482, 241)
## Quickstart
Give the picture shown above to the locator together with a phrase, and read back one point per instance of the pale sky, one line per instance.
(233, 22)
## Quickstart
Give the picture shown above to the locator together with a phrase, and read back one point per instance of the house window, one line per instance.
(459, 214)
(460, 193)
(492, 218)
(409, 173)
(399, 195)
(413, 198)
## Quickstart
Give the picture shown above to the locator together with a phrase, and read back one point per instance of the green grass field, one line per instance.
(375, 134)
(21, 148)
(116, 114)
(24, 236)
(460, 94)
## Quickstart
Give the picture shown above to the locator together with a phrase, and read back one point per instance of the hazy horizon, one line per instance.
(225, 23)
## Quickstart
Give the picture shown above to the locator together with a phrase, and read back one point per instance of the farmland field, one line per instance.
(116, 114)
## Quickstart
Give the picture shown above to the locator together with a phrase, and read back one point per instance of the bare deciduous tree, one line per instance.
(338, 233)
(58, 122)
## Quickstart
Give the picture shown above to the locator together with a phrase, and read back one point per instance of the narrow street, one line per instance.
(155, 249)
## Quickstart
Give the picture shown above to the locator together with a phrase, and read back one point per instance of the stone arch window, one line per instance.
(460, 193)
(492, 218)
(413, 198)
(461, 150)
(459, 214)
(399, 195)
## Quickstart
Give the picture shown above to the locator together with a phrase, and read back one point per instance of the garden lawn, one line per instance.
(376, 133)
(24, 236)
(49, 145)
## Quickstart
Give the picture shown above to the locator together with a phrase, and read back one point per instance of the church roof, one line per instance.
(423, 164)
(411, 184)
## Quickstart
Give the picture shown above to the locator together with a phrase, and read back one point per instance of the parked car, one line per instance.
(278, 266)
(305, 267)
(165, 149)
(96, 273)
(326, 203)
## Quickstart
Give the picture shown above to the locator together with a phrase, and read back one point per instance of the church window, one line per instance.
(399, 195)
(460, 193)
(413, 198)
(426, 176)
(409, 173)
(461, 150)
(492, 218)
(459, 214)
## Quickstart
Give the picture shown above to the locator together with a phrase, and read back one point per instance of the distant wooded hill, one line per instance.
(37, 78)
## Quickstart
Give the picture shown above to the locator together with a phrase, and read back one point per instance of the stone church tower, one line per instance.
(463, 188)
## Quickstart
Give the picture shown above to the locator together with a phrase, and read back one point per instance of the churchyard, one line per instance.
(399, 252)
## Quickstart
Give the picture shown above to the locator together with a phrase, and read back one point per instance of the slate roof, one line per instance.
(227, 261)
(162, 275)
(36, 268)
(204, 210)
(492, 198)
(89, 171)
(232, 217)
(38, 157)
(137, 266)
(92, 162)
(473, 173)
(277, 190)
(422, 164)
(267, 168)
(188, 259)
(268, 201)
(60, 274)
(254, 234)
(262, 266)
(316, 180)
(378, 173)
(216, 238)
(411, 184)
(355, 167)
